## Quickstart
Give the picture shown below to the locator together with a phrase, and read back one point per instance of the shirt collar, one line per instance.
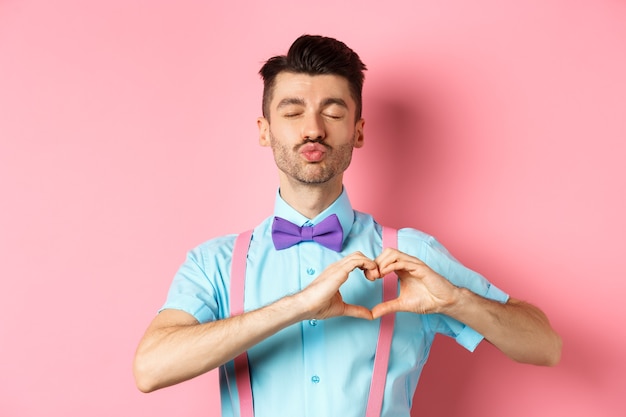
(341, 207)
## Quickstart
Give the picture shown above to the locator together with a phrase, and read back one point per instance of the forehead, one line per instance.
(312, 89)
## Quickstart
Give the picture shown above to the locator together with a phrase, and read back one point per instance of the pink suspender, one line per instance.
(383, 347)
(237, 283)
(385, 333)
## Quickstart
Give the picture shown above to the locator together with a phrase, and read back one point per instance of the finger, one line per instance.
(373, 274)
(350, 262)
(358, 260)
(389, 256)
(387, 307)
(359, 312)
(370, 267)
(409, 264)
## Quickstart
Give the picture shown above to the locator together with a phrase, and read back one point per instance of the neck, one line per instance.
(310, 199)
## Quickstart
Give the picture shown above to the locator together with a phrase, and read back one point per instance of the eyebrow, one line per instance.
(334, 100)
(300, 102)
(290, 101)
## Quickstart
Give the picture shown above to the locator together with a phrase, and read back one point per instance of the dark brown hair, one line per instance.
(316, 55)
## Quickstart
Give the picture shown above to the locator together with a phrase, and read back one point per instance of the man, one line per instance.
(311, 322)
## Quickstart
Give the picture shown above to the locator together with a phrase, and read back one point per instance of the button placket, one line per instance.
(312, 259)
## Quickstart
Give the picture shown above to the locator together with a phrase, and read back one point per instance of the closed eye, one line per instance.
(290, 107)
(334, 108)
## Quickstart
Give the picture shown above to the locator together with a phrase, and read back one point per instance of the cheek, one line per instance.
(278, 142)
(348, 135)
(284, 132)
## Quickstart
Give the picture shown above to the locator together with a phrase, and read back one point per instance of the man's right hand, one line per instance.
(322, 298)
(176, 347)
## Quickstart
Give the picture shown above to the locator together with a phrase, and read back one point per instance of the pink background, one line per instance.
(128, 136)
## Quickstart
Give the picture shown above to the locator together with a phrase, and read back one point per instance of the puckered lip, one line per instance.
(312, 147)
(313, 152)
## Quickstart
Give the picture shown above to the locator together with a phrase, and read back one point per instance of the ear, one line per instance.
(264, 131)
(358, 133)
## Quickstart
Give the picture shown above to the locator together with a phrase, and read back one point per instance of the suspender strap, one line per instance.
(383, 347)
(385, 334)
(237, 283)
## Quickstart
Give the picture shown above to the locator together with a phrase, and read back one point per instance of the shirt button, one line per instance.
(315, 379)
(310, 271)
(313, 322)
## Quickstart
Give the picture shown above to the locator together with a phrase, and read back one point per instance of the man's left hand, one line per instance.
(422, 290)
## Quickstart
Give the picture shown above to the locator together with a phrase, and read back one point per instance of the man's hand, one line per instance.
(422, 290)
(520, 330)
(322, 297)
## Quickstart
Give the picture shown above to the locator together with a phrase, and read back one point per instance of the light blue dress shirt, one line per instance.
(322, 368)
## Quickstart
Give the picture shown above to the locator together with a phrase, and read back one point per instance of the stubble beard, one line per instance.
(291, 163)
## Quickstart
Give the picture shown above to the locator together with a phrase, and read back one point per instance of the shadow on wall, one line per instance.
(402, 175)
(402, 168)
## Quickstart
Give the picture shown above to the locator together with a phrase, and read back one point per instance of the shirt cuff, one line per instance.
(496, 294)
(190, 305)
(470, 338)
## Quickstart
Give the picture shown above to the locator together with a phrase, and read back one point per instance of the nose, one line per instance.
(313, 127)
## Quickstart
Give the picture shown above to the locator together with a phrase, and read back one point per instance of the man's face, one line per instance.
(311, 127)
